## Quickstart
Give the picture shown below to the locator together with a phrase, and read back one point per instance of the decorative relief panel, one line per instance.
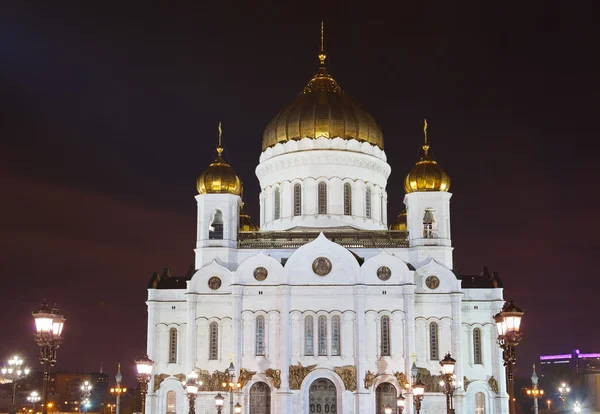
(401, 378)
(384, 273)
(493, 383)
(245, 376)
(432, 282)
(466, 382)
(158, 379)
(370, 378)
(214, 282)
(274, 375)
(348, 375)
(297, 375)
(432, 382)
(260, 273)
(321, 266)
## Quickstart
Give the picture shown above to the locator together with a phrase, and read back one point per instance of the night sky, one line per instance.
(109, 113)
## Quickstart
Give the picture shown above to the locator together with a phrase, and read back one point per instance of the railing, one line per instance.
(294, 239)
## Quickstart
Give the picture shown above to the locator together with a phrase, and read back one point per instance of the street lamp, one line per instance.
(448, 380)
(577, 407)
(400, 402)
(219, 401)
(49, 325)
(231, 386)
(34, 398)
(144, 369)
(117, 391)
(14, 372)
(534, 392)
(387, 410)
(508, 322)
(418, 393)
(86, 390)
(237, 409)
(563, 391)
(191, 387)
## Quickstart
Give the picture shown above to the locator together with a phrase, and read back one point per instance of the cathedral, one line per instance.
(326, 306)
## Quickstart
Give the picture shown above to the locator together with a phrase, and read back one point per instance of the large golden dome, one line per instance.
(426, 175)
(219, 177)
(322, 109)
(246, 222)
(400, 223)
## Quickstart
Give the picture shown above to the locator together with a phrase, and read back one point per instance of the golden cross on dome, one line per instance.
(322, 55)
(426, 143)
(220, 146)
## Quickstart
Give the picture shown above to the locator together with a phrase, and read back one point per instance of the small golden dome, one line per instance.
(246, 222)
(426, 175)
(219, 177)
(400, 223)
(322, 109)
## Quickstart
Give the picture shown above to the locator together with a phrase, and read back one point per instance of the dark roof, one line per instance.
(485, 280)
(164, 280)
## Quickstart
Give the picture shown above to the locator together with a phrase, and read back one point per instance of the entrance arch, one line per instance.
(322, 397)
(260, 398)
(386, 397)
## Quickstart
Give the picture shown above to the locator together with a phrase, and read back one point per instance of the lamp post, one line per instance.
(535, 392)
(400, 403)
(49, 324)
(418, 393)
(117, 391)
(237, 409)
(33, 398)
(219, 401)
(231, 386)
(563, 391)
(387, 410)
(577, 407)
(144, 373)
(14, 372)
(191, 388)
(448, 381)
(508, 322)
(86, 391)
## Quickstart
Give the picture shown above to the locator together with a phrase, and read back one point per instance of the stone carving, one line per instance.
(432, 382)
(401, 378)
(260, 273)
(432, 282)
(297, 375)
(214, 282)
(384, 273)
(466, 382)
(275, 376)
(493, 383)
(158, 379)
(245, 376)
(321, 266)
(370, 379)
(348, 375)
(181, 377)
(214, 381)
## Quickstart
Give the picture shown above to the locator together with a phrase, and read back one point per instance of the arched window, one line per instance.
(322, 335)
(335, 336)
(213, 341)
(428, 220)
(385, 336)
(347, 199)
(260, 335)
(172, 345)
(368, 203)
(277, 204)
(171, 402)
(297, 200)
(260, 398)
(434, 354)
(381, 204)
(309, 348)
(322, 198)
(480, 403)
(477, 346)
(385, 396)
(215, 230)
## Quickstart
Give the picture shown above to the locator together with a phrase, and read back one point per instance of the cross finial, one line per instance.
(220, 146)
(426, 142)
(322, 55)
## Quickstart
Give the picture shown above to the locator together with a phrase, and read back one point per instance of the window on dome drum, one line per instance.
(297, 200)
(322, 198)
(215, 230)
(335, 336)
(434, 354)
(260, 335)
(428, 221)
(347, 199)
(381, 208)
(171, 402)
(385, 336)
(368, 203)
(213, 341)
(309, 348)
(277, 204)
(322, 335)
(172, 345)
(477, 346)
(480, 403)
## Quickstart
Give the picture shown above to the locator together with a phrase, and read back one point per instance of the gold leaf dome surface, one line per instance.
(427, 174)
(400, 223)
(219, 178)
(246, 222)
(322, 109)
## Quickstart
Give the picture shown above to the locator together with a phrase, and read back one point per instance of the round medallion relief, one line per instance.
(432, 282)
(260, 273)
(321, 266)
(214, 283)
(384, 273)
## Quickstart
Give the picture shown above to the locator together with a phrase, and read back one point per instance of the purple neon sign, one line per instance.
(552, 357)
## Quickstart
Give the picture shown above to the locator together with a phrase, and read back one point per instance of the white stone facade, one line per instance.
(350, 303)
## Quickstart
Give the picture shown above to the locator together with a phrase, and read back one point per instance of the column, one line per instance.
(151, 351)
(409, 334)
(192, 335)
(361, 394)
(202, 348)
(297, 328)
(272, 337)
(284, 393)
(456, 327)
(236, 326)
(347, 337)
(396, 335)
(248, 335)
